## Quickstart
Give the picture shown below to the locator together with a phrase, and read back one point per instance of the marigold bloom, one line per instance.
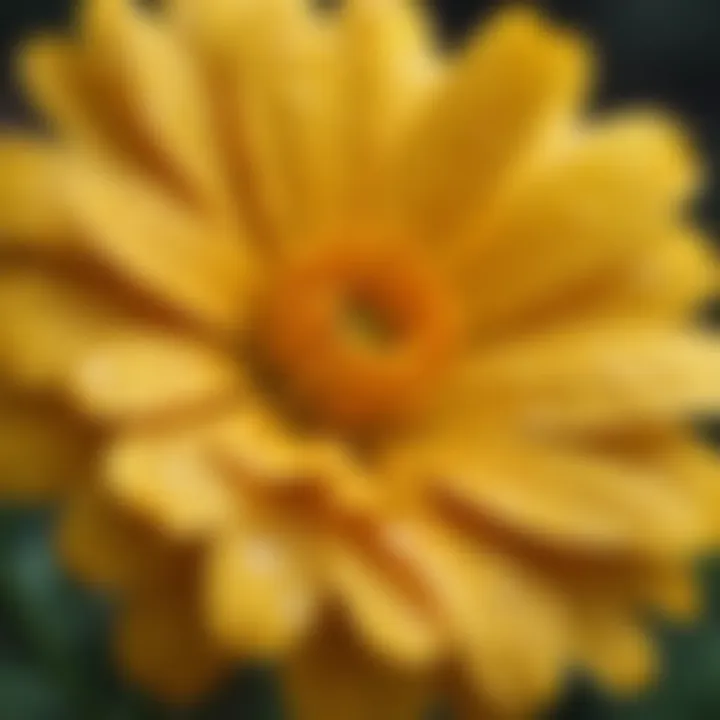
(352, 354)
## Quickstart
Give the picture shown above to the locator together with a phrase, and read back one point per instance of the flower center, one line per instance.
(361, 333)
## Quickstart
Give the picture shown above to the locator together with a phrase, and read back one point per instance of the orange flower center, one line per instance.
(360, 332)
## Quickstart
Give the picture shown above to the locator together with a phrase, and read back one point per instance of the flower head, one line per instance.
(356, 355)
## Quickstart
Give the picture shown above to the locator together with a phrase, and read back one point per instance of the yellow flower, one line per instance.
(352, 354)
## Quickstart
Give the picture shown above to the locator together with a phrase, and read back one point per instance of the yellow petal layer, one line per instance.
(394, 619)
(607, 196)
(387, 69)
(135, 376)
(260, 594)
(669, 281)
(167, 106)
(512, 79)
(159, 245)
(615, 648)
(107, 546)
(30, 212)
(161, 645)
(560, 498)
(43, 450)
(60, 83)
(170, 481)
(330, 678)
(507, 631)
(47, 322)
(600, 376)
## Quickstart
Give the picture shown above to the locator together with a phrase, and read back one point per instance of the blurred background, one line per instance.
(54, 662)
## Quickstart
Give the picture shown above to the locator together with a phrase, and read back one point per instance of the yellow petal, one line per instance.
(162, 646)
(159, 245)
(142, 374)
(615, 648)
(43, 450)
(676, 592)
(608, 196)
(170, 481)
(330, 678)
(508, 633)
(146, 65)
(558, 498)
(670, 280)
(30, 213)
(501, 93)
(260, 591)
(107, 546)
(388, 66)
(282, 125)
(394, 618)
(257, 450)
(58, 80)
(47, 322)
(582, 377)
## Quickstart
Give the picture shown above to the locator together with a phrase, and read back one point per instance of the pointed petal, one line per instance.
(676, 592)
(670, 280)
(30, 213)
(284, 128)
(581, 377)
(57, 79)
(47, 322)
(161, 90)
(108, 547)
(615, 648)
(387, 602)
(43, 450)
(502, 92)
(141, 374)
(507, 630)
(161, 645)
(388, 67)
(329, 678)
(561, 499)
(254, 447)
(260, 591)
(606, 197)
(170, 481)
(156, 243)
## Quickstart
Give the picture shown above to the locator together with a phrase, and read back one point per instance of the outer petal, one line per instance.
(670, 280)
(43, 450)
(144, 374)
(503, 90)
(258, 452)
(153, 241)
(595, 377)
(162, 100)
(507, 632)
(388, 66)
(107, 546)
(59, 81)
(613, 645)
(260, 590)
(162, 645)
(274, 62)
(30, 213)
(47, 322)
(607, 196)
(330, 678)
(562, 499)
(387, 602)
(169, 480)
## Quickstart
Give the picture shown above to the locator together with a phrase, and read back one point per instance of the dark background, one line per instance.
(53, 657)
